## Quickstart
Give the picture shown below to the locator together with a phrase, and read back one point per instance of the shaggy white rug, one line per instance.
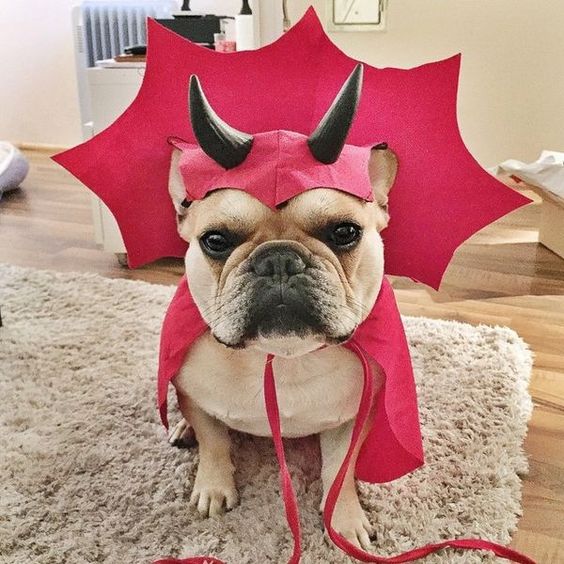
(86, 474)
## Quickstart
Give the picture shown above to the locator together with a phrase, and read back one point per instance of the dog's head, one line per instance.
(287, 279)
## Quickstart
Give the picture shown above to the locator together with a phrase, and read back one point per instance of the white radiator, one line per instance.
(101, 31)
(108, 27)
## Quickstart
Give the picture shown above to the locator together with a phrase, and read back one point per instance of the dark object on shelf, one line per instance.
(245, 9)
(199, 29)
(135, 50)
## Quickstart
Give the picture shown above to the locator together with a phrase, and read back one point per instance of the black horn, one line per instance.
(223, 143)
(328, 139)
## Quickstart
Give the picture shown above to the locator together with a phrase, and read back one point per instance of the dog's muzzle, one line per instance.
(282, 301)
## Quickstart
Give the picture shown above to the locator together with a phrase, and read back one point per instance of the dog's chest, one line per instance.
(317, 391)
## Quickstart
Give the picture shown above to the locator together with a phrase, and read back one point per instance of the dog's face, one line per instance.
(288, 280)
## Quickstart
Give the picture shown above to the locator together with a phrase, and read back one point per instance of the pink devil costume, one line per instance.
(275, 166)
(440, 198)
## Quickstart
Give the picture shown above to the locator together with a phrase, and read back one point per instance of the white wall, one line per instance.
(38, 99)
(511, 101)
(512, 83)
(38, 92)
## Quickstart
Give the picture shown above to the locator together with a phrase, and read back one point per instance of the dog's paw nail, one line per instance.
(369, 529)
(364, 538)
(212, 502)
(359, 537)
(353, 524)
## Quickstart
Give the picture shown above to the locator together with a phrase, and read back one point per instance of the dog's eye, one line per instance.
(216, 244)
(345, 235)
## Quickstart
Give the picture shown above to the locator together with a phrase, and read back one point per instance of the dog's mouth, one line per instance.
(288, 324)
(283, 316)
(284, 309)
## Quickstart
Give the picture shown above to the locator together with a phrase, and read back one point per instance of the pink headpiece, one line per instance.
(275, 166)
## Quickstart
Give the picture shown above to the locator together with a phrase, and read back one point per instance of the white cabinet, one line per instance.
(111, 92)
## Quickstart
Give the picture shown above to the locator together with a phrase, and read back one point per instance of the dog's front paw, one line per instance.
(214, 492)
(351, 522)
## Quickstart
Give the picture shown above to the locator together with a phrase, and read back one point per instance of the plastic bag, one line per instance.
(546, 172)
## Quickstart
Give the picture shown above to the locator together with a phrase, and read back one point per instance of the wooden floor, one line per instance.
(501, 276)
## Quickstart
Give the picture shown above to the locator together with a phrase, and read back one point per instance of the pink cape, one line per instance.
(393, 446)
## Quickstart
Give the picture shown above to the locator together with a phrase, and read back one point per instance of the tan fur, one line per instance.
(319, 390)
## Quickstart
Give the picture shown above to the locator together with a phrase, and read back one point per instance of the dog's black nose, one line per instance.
(277, 261)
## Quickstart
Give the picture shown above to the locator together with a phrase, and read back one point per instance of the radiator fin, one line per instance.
(108, 27)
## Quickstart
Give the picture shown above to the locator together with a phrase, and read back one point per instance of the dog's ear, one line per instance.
(176, 186)
(382, 169)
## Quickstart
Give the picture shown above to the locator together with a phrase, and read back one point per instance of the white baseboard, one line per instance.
(44, 147)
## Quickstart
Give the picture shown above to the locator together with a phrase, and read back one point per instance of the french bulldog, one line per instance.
(294, 282)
